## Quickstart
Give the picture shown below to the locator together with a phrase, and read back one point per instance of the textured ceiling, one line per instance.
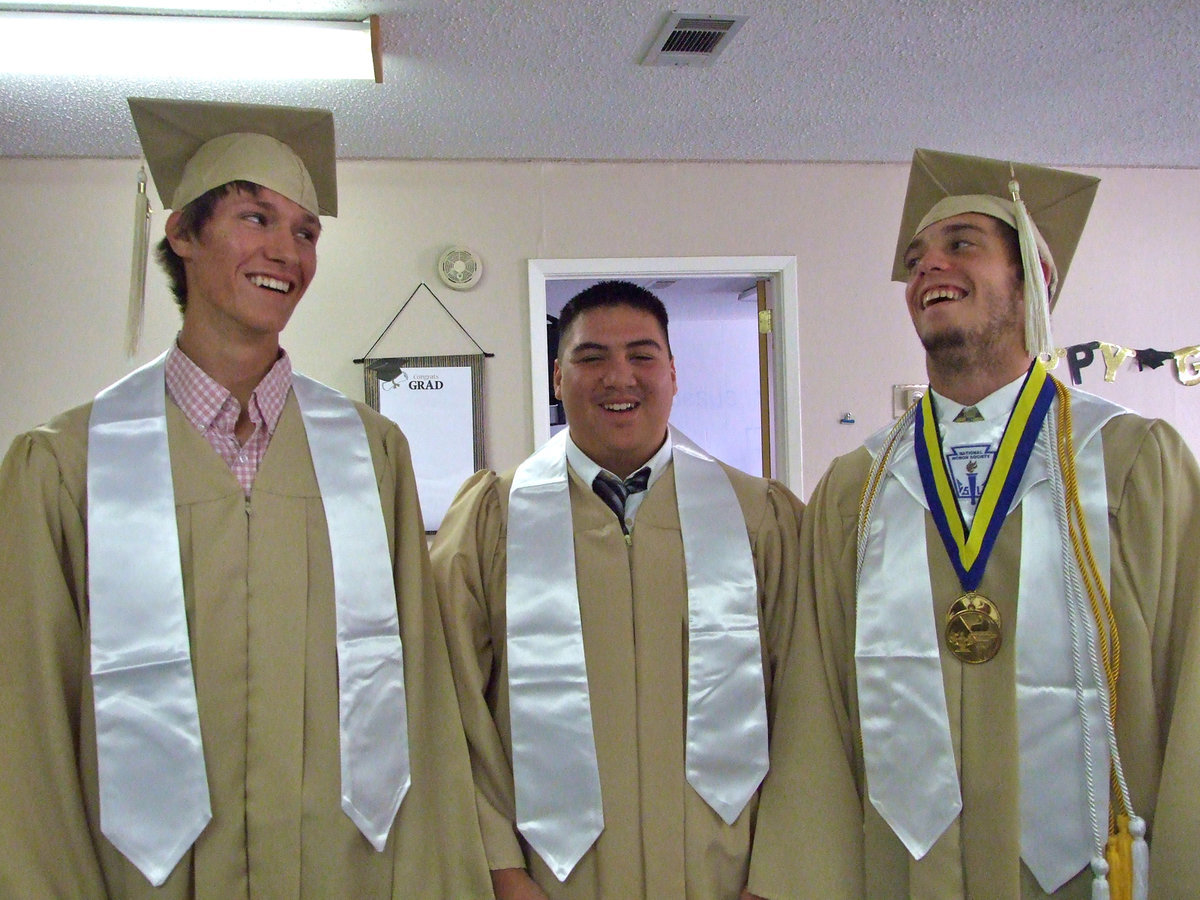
(1078, 83)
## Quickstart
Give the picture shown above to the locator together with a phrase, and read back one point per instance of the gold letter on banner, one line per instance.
(1113, 357)
(1187, 360)
(1051, 360)
(1187, 365)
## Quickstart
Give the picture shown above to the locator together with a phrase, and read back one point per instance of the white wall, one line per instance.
(717, 405)
(65, 244)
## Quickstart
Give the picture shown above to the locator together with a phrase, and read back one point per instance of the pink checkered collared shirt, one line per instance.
(214, 410)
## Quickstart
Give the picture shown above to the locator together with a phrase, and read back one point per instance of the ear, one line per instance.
(674, 383)
(1045, 271)
(557, 381)
(177, 236)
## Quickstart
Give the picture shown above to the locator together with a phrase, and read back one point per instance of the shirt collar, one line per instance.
(587, 469)
(996, 405)
(202, 398)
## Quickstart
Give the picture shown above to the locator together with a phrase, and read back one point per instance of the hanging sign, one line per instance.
(437, 402)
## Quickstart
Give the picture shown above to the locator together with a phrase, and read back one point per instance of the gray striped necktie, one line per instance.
(615, 492)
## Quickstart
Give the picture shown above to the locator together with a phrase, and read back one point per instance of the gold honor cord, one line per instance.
(1102, 613)
(1098, 599)
(866, 499)
(1120, 853)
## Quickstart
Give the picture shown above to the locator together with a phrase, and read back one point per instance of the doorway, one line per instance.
(710, 410)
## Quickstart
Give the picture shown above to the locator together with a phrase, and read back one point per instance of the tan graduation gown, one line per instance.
(816, 785)
(258, 583)
(660, 839)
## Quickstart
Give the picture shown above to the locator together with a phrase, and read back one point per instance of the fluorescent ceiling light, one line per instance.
(188, 47)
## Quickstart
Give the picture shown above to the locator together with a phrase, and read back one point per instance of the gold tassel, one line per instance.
(135, 313)
(1119, 853)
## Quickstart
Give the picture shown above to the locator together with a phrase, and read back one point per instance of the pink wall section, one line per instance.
(66, 243)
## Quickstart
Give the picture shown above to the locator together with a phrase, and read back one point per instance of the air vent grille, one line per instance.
(689, 39)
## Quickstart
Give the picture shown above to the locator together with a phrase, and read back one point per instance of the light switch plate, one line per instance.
(904, 396)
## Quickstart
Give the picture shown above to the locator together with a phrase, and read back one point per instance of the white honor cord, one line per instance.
(1078, 623)
(1082, 619)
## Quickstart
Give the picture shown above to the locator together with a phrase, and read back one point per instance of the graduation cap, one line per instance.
(195, 146)
(1047, 207)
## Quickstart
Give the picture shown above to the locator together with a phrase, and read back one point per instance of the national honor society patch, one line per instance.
(969, 465)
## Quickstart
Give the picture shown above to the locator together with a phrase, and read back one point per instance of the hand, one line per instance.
(515, 884)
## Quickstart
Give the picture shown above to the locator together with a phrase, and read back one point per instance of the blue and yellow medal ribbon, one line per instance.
(969, 549)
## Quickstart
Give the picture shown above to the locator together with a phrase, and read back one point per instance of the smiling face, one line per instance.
(964, 294)
(616, 379)
(248, 266)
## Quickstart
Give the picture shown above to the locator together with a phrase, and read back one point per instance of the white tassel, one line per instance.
(135, 313)
(1100, 878)
(1038, 339)
(1141, 859)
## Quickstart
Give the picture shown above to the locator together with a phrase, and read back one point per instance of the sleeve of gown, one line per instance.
(469, 565)
(46, 848)
(776, 559)
(808, 838)
(1159, 519)
(439, 846)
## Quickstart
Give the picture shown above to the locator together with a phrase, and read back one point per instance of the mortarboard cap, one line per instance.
(941, 185)
(194, 146)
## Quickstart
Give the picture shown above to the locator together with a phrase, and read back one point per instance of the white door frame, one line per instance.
(779, 270)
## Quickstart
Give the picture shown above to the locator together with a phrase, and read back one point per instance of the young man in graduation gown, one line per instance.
(1002, 701)
(617, 610)
(223, 665)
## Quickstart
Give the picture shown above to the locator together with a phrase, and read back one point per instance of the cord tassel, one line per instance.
(1038, 338)
(1141, 859)
(1100, 879)
(137, 268)
(1119, 853)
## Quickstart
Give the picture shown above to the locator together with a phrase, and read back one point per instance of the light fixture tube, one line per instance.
(199, 48)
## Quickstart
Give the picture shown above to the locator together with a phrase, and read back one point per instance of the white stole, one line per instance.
(557, 782)
(912, 776)
(153, 784)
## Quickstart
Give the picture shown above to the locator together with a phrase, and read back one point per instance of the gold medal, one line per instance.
(973, 628)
